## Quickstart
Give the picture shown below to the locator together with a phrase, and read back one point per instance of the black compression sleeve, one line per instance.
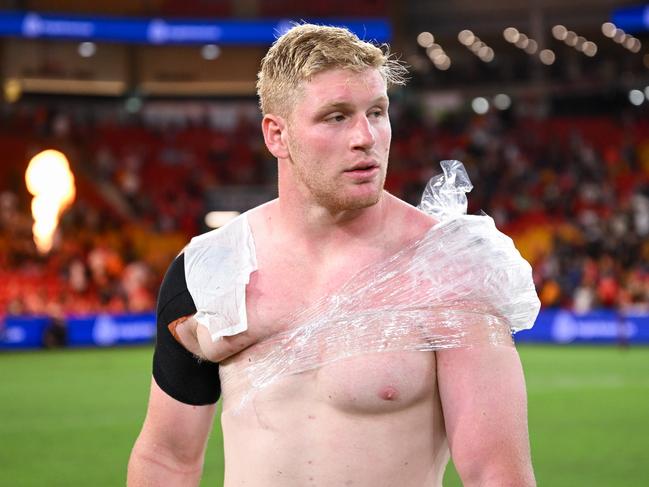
(176, 370)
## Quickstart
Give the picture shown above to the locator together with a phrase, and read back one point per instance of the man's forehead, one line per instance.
(337, 86)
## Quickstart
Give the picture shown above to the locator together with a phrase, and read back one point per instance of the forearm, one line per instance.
(500, 477)
(147, 468)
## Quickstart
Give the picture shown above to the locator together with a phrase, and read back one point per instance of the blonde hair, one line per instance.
(306, 50)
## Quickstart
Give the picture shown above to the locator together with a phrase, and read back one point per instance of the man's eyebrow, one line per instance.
(344, 105)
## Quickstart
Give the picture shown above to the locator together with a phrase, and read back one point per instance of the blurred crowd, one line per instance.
(572, 192)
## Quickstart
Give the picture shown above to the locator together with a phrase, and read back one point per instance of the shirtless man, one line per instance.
(379, 419)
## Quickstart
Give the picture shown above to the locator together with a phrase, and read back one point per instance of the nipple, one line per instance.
(388, 393)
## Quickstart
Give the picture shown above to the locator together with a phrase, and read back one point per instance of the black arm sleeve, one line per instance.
(176, 370)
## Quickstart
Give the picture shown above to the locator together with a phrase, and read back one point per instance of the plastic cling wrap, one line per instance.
(463, 283)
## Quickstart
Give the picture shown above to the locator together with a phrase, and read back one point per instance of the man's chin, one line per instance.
(355, 202)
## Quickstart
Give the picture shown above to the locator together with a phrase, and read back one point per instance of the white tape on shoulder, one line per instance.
(218, 265)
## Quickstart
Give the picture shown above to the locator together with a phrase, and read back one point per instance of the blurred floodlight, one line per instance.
(532, 47)
(608, 29)
(636, 97)
(216, 219)
(466, 37)
(51, 182)
(133, 104)
(12, 90)
(442, 62)
(434, 52)
(480, 105)
(488, 55)
(646, 92)
(502, 101)
(636, 46)
(589, 48)
(629, 42)
(559, 32)
(425, 39)
(571, 39)
(476, 46)
(619, 36)
(87, 49)
(547, 56)
(511, 34)
(579, 45)
(210, 52)
(522, 41)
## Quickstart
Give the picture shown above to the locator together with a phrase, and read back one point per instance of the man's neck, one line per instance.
(319, 228)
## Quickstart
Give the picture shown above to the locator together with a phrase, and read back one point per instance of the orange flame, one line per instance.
(51, 181)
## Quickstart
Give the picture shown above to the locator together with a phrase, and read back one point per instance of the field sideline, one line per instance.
(69, 418)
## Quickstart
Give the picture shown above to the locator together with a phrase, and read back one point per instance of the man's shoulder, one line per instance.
(237, 225)
(410, 219)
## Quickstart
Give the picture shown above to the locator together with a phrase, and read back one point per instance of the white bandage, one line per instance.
(218, 265)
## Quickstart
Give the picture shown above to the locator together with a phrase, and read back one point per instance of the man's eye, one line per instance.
(339, 117)
(376, 113)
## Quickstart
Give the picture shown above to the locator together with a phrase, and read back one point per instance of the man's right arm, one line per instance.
(171, 446)
(184, 390)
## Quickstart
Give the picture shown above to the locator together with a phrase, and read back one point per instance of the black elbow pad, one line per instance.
(176, 370)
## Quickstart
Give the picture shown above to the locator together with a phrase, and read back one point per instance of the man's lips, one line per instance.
(363, 166)
(363, 171)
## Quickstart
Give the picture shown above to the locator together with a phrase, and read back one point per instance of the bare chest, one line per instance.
(364, 381)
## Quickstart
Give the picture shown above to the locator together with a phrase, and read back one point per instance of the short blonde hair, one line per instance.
(306, 50)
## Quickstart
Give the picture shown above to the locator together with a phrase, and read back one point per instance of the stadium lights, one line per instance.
(13, 90)
(571, 39)
(425, 39)
(87, 49)
(434, 51)
(521, 40)
(133, 104)
(547, 57)
(636, 97)
(210, 52)
(502, 101)
(618, 36)
(480, 105)
(216, 219)
(608, 29)
(473, 43)
(438, 57)
(646, 92)
(559, 32)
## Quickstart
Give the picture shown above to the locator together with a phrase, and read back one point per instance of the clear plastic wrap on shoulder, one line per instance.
(460, 285)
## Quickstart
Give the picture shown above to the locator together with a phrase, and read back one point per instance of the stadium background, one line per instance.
(161, 130)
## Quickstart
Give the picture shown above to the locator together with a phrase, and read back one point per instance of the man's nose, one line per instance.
(362, 137)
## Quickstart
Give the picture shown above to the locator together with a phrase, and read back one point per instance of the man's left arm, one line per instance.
(483, 395)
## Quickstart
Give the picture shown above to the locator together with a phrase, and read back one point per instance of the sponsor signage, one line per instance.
(32, 25)
(552, 326)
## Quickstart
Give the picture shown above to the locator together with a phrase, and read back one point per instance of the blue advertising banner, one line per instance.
(165, 31)
(552, 326)
(88, 331)
(632, 19)
(603, 326)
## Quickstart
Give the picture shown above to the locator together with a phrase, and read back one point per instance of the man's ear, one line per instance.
(275, 133)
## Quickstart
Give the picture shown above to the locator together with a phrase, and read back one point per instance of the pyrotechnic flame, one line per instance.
(51, 181)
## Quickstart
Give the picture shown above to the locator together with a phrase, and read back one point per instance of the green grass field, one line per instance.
(69, 418)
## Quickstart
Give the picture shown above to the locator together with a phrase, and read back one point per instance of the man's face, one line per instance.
(339, 138)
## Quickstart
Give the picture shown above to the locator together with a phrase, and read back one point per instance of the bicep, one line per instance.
(483, 395)
(174, 428)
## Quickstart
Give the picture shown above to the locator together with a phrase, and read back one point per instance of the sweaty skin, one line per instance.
(382, 419)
